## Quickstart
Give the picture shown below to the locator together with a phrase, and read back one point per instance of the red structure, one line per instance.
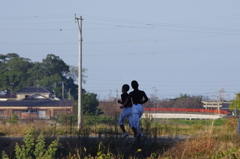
(187, 110)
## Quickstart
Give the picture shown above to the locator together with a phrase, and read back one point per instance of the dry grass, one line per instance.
(204, 141)
(209, 142)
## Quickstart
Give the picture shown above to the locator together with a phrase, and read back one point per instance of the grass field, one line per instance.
(202, 139)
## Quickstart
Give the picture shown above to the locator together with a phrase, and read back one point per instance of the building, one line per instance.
(26, 92)
(35, 103)
(5, 95)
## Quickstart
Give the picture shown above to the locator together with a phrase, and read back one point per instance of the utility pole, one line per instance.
(69, 97)
(235, 110)
(117, 98)
(221, 94)
(156, 98)
(62, 90)
(79, 21)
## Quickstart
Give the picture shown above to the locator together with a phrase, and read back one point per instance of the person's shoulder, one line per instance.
(124, 94)
(141, 91)
(130, 92)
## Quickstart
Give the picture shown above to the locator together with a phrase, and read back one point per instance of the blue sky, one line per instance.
(169, 47)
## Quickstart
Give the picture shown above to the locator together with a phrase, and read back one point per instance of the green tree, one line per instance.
(36, 74)
(235, 103)
(3, 58)
(3, 70)
(17, 68)
(54, 65)
(90, 104)
(13, 70)
(17, 72)
(51, 73)
(12, 55)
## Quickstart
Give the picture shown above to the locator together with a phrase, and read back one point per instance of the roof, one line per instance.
(32, 89)
(35, 97)
(37, 103)
(8, 95)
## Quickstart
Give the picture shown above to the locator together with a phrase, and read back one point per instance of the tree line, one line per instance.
(51, 73)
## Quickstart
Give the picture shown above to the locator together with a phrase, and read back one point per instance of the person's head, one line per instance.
(125, 88)
(134, 84)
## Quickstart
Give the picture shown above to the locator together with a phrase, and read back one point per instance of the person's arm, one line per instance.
(145, 98)
(126, 101)
(124, 104)
(120, 101)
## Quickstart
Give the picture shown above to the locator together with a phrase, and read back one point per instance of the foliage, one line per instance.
(103, 152)
(25, 151)
(97, 119)
(4, 155)
(13, 71)
(39, 151)
(184, 101)
(235, 103)
(217, 122)
(52, 73)
(73, 74)
(231, 124)
(13, 120)
(90, 104)
(40, 146)
(65, 119)
(17, 72)
(210, 143)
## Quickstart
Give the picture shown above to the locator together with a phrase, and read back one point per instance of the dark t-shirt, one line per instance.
(137, 97)
(124, 97)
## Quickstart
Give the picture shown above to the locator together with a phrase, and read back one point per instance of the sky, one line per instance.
(170, 47)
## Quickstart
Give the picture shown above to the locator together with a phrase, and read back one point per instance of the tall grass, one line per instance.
(201, 139)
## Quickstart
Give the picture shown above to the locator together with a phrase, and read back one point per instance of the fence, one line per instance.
(187, 110)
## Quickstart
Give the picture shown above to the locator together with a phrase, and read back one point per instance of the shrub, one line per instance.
(30, 150)
(13, 120)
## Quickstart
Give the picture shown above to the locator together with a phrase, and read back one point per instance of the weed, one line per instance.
(29, 151)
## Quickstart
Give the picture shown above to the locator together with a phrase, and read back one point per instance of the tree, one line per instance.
(90, 104)
(3, 69)
(73, 74)
(36, 74)
(54, 65)
(51, 73)
(13, 70)
(235, 103)
(184, 101)
(17, 71)
(3, 58)
(12, 55)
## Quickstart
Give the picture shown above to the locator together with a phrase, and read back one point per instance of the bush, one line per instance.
(31, 150)
(13, 120)
(97, 119)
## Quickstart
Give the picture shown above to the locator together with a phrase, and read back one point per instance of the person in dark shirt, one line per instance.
(126, 110)
(138, 98)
